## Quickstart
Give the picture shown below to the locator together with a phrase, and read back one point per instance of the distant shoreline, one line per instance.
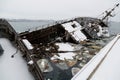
(28, 20)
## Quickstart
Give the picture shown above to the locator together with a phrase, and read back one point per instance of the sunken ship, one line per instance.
(60, 50)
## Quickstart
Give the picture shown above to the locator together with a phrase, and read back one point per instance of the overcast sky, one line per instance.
(55, 9)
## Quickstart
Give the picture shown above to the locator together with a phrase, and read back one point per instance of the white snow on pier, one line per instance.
(12, 68)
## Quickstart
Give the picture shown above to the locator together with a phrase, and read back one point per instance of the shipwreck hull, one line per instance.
(45, 48)
(58, 30)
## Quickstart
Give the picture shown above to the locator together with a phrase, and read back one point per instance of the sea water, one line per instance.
(21, 26)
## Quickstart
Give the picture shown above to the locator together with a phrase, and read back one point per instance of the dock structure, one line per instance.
(104, 65)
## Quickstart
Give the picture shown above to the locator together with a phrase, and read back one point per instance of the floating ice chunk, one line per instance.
(44, 65)
(75, 70)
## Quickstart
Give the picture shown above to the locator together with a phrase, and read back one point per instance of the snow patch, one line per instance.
(65, 47)
(74, 29)
(27, 44)
(63, 56)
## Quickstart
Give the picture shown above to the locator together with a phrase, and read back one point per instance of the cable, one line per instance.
(12, 56)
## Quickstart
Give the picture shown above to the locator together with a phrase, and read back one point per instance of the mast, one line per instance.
(108, 13)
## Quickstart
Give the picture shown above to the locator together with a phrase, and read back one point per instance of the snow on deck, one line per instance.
(108, 69)
(12, 68)
(63, 56)
(74, 29)
(27, 44)
(65, 47)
